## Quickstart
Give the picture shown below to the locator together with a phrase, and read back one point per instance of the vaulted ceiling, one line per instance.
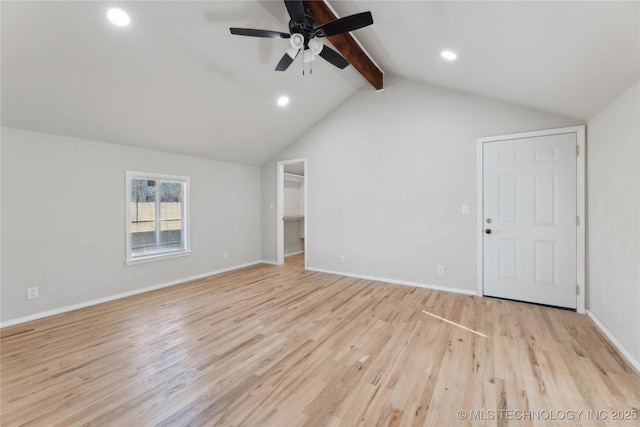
(176, 80)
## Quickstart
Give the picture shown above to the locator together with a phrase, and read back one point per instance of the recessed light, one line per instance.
(118, 17)
(283, 100)
(449, 55)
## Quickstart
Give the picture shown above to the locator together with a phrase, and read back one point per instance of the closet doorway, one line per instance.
(291, 199)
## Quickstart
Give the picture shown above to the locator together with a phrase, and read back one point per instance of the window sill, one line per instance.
(157, 257)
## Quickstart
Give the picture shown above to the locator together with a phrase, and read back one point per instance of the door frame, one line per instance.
(580, 200)
(280, 208)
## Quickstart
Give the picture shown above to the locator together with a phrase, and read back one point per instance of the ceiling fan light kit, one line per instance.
(304, 32)
(297, 40)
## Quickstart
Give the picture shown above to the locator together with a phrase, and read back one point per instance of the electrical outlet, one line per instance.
(466, 210)
(341, 258)
(33, 292)
(440, 270)
(225, 255)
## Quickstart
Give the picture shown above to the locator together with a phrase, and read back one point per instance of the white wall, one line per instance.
(613, 223)
(63, 220)
(387, 176)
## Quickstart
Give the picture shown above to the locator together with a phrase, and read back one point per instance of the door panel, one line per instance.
(529, 194)
(508, 201)
(546, 263)
(545, 202)
(509, 259)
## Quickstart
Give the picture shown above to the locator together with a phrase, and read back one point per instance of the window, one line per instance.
(157, 217)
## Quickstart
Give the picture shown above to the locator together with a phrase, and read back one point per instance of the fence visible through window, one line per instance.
(157, 220)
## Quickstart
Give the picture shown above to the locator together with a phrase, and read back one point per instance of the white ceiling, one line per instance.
(177, 81)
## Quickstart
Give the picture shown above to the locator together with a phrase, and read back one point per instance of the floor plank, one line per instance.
(278, 346)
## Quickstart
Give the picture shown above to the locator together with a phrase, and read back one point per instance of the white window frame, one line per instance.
(130, 175)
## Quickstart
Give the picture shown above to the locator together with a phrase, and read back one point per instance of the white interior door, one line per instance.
(530, 218)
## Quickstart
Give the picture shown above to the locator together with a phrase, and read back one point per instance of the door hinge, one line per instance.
(577, 150)
(577, 220)
(577, 289)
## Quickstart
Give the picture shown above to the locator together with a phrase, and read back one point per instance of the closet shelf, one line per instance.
(293, 217)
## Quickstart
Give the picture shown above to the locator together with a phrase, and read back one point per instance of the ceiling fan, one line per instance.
(304, 32)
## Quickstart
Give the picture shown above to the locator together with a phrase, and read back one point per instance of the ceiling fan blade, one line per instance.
(259, 33)
(287, 59)
(333, 57)
(295, 8)
(344, 25)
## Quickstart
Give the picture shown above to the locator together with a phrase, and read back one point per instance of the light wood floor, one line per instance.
(280, 346)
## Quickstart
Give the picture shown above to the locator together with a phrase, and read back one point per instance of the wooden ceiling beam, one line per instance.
(346, 45)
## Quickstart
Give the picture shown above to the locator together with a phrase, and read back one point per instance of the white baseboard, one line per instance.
(72, 307)
(294, 253)
(396, 282)
(268, 262)
(621, 348)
